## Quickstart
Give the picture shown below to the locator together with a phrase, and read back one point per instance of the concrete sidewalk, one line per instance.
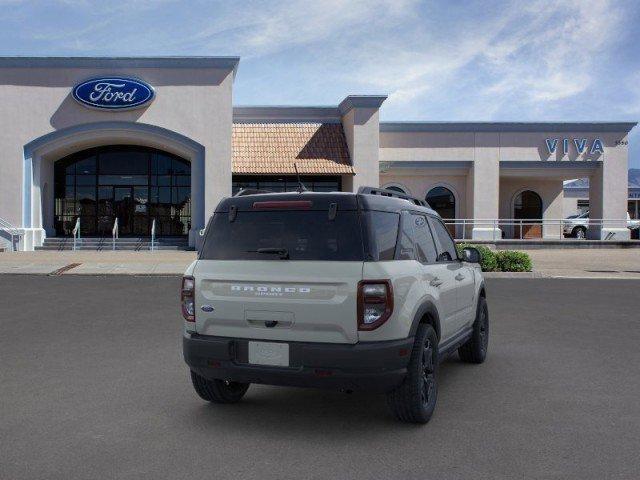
(547, 263)
(161, 262)
(586, 263)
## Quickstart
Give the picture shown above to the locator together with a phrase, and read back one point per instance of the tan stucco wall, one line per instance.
(419, 186)
(361, 129)
(193, 102)
(518, 160)
(569, 206)
(426, 146)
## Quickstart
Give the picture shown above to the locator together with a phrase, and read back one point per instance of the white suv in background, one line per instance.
(337, 290)
(577, 225)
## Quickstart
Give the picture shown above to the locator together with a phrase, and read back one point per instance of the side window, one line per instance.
(405, 249)
(425, 248)
(384, 231)
(446, 246)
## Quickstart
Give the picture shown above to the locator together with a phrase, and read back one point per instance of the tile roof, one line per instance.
(274, 148)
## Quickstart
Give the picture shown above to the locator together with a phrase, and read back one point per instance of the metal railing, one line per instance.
(114, 234)
(76, 234)
(153, 235)
(12, 231)
(538, 228)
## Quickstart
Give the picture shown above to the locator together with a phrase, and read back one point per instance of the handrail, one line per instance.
(153, 234)
(12, 231)
(114, 233)
(76, 233)
(548, 226)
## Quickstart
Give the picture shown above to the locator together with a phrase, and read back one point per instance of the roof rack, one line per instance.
(383, 192)
(250, 191)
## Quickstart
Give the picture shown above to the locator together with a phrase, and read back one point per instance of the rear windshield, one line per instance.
(277, 235)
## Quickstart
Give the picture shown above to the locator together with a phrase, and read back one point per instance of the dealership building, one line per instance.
(149, 142)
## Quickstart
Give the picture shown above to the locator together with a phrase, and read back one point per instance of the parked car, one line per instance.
(576, 225)
(333, 290)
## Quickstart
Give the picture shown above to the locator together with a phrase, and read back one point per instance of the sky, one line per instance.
(448, 60)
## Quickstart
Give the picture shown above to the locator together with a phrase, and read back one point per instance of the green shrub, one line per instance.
(488, 262)
(512, 261)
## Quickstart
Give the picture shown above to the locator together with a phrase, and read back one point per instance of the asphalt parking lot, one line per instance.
(93, 386)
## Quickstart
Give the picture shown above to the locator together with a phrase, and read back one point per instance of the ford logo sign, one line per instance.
(113, 93)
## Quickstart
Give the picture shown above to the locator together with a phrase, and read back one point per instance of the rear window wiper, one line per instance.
(283, 252)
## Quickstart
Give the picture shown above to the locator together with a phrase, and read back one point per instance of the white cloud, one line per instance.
(536, 53)
(552, 53)
(262, 28)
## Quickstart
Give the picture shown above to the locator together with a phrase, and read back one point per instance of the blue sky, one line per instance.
(437, 60)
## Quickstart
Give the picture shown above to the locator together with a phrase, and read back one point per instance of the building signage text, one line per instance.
(113, 93)
(581, 145)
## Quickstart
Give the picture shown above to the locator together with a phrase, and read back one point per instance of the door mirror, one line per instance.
(444, 257)
(471, 255)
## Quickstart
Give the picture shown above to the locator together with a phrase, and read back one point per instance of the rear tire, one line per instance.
(580, 233)
(475, 350)
(218, 391)
(415, 400)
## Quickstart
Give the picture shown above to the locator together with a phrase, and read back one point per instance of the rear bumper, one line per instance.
(365, 366)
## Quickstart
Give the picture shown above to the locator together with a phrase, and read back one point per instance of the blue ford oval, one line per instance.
(113, 93)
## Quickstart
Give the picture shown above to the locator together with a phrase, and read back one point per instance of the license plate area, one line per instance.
(269, 353)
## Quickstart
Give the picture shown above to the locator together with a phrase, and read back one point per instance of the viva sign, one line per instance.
(113, 93)
(581, 145)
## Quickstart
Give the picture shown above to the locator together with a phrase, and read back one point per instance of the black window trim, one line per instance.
(366, 230)
(414, 237)
(439, 249)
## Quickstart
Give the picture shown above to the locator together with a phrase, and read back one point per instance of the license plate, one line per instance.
(269, 353)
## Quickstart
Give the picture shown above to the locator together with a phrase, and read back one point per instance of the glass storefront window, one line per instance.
(633, 207)
(133, 184)
(280, 183)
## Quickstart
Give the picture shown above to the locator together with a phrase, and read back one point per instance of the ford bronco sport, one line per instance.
(350, 291)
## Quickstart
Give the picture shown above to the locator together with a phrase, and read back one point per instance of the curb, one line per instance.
(512, 275)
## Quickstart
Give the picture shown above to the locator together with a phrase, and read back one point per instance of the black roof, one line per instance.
(322, 201)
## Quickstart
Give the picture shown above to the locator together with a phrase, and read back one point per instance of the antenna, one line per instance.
(301, 187)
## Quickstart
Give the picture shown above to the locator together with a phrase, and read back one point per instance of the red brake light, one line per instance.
(375, 303)
(280, 204)
(187, 299)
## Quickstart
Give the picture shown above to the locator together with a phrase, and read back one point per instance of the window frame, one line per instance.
(370, 240)
(439, 248)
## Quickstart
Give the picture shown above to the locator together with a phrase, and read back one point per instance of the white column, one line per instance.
(485, 175)
(34, 234)
(608, 194)
(361, 125)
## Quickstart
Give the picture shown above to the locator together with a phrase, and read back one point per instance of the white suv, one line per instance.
(577, 225)
(334, 290)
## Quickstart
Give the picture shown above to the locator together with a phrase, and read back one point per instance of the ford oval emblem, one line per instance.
(207, 308)
(113, 93)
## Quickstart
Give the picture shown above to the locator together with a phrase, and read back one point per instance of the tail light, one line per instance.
(375, 303)
(187, 299)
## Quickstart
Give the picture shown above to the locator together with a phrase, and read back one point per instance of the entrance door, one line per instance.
(130, 206)
(528, 208)
(123, 208)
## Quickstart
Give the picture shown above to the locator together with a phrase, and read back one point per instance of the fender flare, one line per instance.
(427, 307)
(482, 290)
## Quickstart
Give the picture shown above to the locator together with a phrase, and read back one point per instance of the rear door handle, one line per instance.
(436, 282)
(459, 277)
